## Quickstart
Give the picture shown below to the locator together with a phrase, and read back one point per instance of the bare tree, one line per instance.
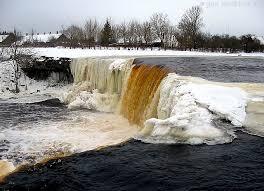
(123, 32)
(75, 34)
(190, 26)
(147, 33)
(132, 37)
(115, 33)
(91, 29)
(139, 33)
(170, 38)
(17, 57)
(160, 24)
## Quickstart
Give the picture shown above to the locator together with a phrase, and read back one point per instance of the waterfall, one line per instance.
(142, 85)
(98, 83)
(116, 85)
(168, 108)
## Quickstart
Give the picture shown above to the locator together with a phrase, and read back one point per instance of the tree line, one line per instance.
(158, 31)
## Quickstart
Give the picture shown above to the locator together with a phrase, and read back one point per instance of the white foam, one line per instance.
(6, 168)
(95, 101)
(79, 131)
(2, 136)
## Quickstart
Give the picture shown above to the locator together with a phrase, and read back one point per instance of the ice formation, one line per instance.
(172, 109)
(186, 111)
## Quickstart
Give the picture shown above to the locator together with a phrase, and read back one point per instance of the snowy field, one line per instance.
(113, 52)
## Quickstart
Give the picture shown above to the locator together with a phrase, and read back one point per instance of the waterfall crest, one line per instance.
(167, 107)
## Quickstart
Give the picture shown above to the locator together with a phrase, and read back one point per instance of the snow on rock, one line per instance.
(30, 89)
(226, 102)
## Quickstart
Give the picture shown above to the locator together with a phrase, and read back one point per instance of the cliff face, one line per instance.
(44, 67)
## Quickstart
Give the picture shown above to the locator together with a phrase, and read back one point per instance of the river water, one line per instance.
(31, 131)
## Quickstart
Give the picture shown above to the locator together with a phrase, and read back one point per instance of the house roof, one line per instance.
(3, 37)
(261, 39)
(40, 37)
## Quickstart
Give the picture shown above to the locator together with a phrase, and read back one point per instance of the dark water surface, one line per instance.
(221, 69)
(139, 166)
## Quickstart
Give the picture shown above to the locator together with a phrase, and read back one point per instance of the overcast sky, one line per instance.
(235, 17)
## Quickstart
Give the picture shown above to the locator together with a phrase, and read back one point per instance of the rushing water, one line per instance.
(49, 129)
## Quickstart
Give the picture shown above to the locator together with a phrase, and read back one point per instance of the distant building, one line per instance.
(261, 39)
(60, 40)
(48, 39)
(7, 39)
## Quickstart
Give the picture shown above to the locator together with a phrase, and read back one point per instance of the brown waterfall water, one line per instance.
(142, 85)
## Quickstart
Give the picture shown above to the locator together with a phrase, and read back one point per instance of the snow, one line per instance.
(186, 110)
(227, 102)
(113, 52)
(30, 90)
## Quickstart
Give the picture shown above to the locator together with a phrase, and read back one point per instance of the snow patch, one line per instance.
(113, 52)
(228, 103)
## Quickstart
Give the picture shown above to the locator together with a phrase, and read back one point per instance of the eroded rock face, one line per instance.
(43, 67)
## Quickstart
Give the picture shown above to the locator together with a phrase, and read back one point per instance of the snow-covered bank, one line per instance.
(113, 52)
(30, 89)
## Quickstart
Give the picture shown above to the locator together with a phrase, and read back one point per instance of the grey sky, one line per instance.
(235, 17)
